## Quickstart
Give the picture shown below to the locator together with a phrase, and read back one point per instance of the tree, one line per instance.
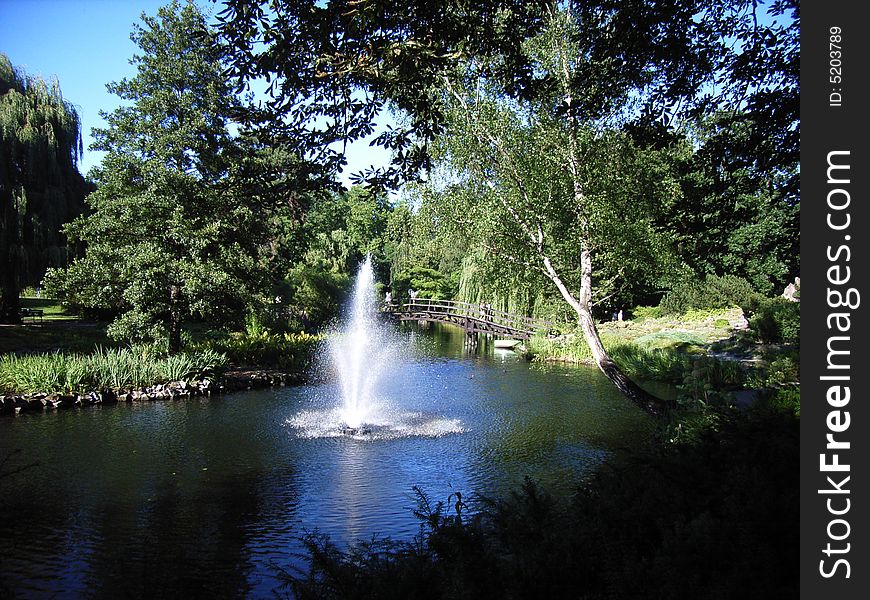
(171, 235)
(40, 186)
(601, 65)
(553, 195)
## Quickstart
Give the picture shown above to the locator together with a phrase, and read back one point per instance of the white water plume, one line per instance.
(361, 352)
(368, 358)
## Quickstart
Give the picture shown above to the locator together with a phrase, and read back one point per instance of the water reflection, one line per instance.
(211, 496)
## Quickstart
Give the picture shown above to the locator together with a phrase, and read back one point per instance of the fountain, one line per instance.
(370, 362)
(360, 353)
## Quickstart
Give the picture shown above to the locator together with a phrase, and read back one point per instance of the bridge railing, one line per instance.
(480, 312)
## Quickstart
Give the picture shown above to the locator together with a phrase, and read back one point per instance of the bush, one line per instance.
(711, 293)
(645, 312)
(288, 351)
(775, 320)
(715, 516)
(707, 380)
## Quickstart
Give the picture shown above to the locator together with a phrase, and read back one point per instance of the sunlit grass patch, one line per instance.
(115, 368)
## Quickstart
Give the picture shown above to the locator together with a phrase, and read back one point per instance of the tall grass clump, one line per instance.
(114, 368)
(668, 365)
(35, 373)
(570, 348)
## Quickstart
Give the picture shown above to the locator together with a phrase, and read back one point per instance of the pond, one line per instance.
(210, 496)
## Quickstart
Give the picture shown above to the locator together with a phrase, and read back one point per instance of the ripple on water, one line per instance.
(394, 424)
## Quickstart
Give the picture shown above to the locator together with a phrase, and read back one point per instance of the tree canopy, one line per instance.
(171, 236)
(40, 185)
(572, 127)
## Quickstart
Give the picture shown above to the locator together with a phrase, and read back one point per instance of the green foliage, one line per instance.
(708, 381)
(40, 186)
(428, 282)
(714, 515)
(710, 293)
(292, 352)
(314, 295)
(120, 368)
(570, 348)
(338, 231)
(666, 365)
(645, 312)
(174, 234)
(784, 399)
(775, 320)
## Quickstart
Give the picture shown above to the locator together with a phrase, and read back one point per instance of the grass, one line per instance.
(52, 310)
(696, 358)
(115, 368)
(62, 353)
(58, 331)
(689, 333)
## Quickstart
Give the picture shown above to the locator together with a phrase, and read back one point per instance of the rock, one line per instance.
(36, 404)
(793, 291)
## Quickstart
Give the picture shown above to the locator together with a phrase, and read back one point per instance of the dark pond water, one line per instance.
(209, 497)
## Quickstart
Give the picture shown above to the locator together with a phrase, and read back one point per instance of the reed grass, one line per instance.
(115, 368)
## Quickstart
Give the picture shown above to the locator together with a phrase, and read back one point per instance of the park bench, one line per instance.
(32, 314)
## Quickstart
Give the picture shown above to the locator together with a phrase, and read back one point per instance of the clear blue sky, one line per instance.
(86, 44)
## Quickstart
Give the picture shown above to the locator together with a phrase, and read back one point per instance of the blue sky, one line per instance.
(86, 44)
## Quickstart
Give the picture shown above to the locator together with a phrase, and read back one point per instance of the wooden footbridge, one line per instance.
(473, 318)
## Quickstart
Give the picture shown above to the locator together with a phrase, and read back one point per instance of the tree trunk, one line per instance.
(611, 370)
(9, 303)
(174, 320)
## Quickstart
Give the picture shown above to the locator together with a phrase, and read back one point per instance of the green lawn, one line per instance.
(58, 330)
(51, 309)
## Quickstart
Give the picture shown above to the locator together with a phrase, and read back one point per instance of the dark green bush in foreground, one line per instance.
(775, 320)
(714, 518)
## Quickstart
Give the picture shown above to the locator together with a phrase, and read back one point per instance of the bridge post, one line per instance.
(471, 339)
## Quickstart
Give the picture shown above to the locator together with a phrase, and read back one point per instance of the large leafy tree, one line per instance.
(170, 235)
(40, 186)
(600, 65)
(553, 191)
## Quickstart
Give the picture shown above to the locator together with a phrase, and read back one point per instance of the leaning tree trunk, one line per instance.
(611, 370)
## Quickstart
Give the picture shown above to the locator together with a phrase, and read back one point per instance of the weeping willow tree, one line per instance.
(40, 186)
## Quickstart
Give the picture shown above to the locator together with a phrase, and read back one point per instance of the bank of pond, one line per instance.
(499, 477)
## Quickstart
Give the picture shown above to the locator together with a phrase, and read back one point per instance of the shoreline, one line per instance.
(234, 380)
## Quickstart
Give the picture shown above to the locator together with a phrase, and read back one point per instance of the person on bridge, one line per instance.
(413, 294)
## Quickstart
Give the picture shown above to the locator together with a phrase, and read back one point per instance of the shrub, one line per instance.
(568, 348)
(646, 312)
(289, 351)
(708, 380)
(775, 320)
(712, 292)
